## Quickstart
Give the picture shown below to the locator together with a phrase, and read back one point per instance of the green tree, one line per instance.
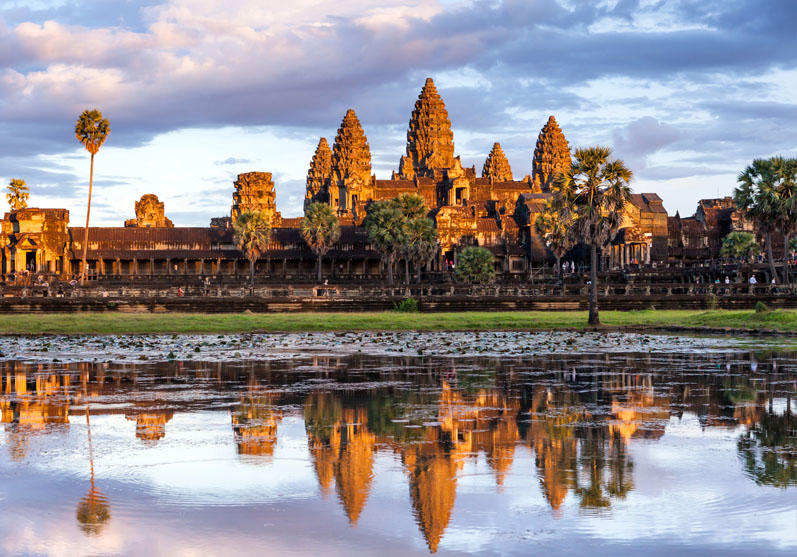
(766, 195)
(420, 236)
(739, 244)
(421, 243)
(252, 232)
(475, 265)
(592, 195)
(554, 229)
(320, 230)
(411, 205)
(91, 130)
(385, 224)
(18, 194)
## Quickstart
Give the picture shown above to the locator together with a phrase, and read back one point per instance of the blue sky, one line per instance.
(687, 93)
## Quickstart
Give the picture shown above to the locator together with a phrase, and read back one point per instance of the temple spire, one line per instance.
(551, 155)
(497, 166)
(319, 173)
(351, 164)
(430, 141)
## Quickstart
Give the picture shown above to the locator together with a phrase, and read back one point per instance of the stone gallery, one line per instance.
(492, 209)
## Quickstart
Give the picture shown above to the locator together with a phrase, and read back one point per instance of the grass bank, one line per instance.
(119, 323)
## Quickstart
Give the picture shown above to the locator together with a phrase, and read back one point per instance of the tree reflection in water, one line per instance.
(93, 510)
(768, 449)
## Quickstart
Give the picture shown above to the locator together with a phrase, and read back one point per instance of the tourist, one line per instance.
(727, 279)
(752, 279)
(179, 291)
(773, 280)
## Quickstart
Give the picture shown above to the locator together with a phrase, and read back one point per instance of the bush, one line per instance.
(408, 305)
(475, 265)
(761, 307)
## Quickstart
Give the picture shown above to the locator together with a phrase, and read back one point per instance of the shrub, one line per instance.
(761, 307)
(408, 305)
(475, 265)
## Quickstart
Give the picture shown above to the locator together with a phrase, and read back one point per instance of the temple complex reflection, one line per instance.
(578, 416)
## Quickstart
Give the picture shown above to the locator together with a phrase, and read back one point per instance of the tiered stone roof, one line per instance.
(430, 141)
(497, 166)
(320, 170)
(254, 191)
(351, 155)
(551, 155)
(149, 213)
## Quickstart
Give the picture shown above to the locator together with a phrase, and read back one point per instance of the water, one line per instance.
(328, 445)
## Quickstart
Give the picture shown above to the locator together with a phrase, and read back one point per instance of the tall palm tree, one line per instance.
(91, 130)
(18, 194)
(786, 190)
(555, 231)
(592, 195)
(413, 208)
(419, 244)
(386, 227)
(251, 233)
(320, 230)
(758, 196)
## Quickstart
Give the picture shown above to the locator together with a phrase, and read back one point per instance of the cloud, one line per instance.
(229, 161)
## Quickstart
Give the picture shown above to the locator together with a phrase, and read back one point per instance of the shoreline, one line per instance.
(777, 323)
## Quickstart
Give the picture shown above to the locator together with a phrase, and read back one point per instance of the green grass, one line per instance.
(118, 323)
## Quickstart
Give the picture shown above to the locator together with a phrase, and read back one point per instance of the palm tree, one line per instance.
(93, 510)
(320, 230)
(786, 190)
(419, 244)
(252, 232)
(18, 194)
(386, 227)
(757, 195)
(413, 208)
(555, 232)
(91, 130)
(739, 244)
(411, 205)
(592, 195)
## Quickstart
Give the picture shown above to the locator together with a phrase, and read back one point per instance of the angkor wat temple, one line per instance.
(494, 210)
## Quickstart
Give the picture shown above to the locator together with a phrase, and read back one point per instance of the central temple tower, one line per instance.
(430, 141)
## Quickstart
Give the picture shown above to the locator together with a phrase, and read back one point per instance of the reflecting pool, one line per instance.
(653, 452)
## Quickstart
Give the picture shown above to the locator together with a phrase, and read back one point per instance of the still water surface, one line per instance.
(359, 454)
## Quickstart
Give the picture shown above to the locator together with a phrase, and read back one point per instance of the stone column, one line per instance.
(151, 266)
(185, 266)
(168, 266)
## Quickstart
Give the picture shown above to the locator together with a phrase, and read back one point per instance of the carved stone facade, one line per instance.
(551, 156)
(34, 240)
(319, 174)
(149, 214)
(351, 181)
(430, 141)
(496, 167)
(254, 191)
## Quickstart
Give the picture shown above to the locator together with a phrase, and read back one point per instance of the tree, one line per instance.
(739, 244)
(419, 244)
(252, 232)
(18, 194)
(411, 205)
(385, 224)
(91, 130)
(766, 194)
(475, 265)
(555, 231)
(592, 195)
(320, 230)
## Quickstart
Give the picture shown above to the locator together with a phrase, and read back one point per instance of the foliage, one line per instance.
(385, 225)
(420, 241)
(475, 265)
(411, 205)
(739, 244)
(407, 305)
(591, 196)
(92, 130)
(761, 307)
(18, 194)
(320, 228)
(251, 233)
(554, 228)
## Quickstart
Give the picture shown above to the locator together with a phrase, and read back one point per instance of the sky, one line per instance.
(686, 93)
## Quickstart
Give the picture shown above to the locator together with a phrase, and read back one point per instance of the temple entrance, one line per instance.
(30, 261)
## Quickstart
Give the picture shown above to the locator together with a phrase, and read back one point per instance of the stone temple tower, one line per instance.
(496, 167)
(351, 166)
(551, 156)
(318, 174)
(430, 141)
(254, 191)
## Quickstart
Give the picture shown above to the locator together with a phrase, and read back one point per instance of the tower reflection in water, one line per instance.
(576, 415)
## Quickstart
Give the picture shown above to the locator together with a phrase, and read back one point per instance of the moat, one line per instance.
(397, 444)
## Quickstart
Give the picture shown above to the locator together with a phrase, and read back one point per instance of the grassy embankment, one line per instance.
(119, 323)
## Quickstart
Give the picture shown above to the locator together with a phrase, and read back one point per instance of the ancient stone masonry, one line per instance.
(254, 191)
(319, 173)
(551, 156)
(149, 214)
(351, 167)
(430, 141)
(496, 167)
